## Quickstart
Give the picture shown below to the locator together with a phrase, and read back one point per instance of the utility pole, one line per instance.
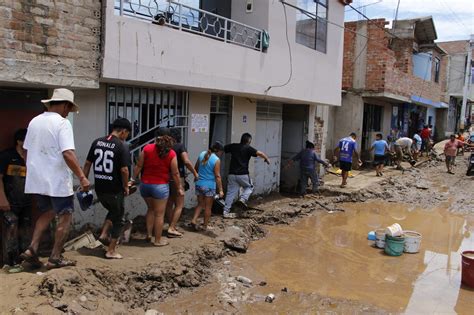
(467, 82)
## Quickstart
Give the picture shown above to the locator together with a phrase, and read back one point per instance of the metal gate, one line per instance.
(147, 109)
(268, 140)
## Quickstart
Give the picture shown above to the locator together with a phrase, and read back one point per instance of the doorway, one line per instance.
(372, 124)
(220, 118)
(294, 135)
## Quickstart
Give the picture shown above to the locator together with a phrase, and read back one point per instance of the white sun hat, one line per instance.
(62, 95)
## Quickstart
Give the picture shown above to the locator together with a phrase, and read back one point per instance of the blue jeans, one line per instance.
(156, 191)
(313, 175)
(234, 182)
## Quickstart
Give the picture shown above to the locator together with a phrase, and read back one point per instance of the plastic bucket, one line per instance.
(394, 230)
(467, 273)
(394, 245)
(380, 238)
(412, 242)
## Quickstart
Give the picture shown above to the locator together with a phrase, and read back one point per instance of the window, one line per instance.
(310, 32)
(437, 64)
(422, 63)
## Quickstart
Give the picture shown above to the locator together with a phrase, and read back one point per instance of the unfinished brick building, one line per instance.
(44, 44)
(392, 79)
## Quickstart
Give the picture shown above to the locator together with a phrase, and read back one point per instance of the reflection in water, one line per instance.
(328, 254)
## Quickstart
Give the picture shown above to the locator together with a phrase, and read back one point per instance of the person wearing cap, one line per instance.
(111, 159)
(50, 160)
(308, 159)
(15, 205)
(208, 166)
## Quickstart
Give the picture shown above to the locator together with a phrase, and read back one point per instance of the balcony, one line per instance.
(186, 18)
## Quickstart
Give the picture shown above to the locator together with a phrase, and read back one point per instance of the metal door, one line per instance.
(268, 140)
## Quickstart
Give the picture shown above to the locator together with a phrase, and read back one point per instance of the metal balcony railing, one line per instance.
(193, 20)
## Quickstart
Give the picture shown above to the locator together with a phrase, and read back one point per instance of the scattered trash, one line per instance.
(380, 238)
(270, 298)
(394, 245)
(394, 230)
(412, 242)
(227, 262)
(83, 298)
(39, 273)
(262, 283)
(467, 271)
(152, 312)
(371, 236)
(232, 285)
(85, 240)
(244, 280)
(285, 289)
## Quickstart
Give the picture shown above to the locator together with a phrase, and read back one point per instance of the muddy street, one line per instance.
(311, 253)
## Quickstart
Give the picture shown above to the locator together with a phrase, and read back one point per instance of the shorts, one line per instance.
(114, 203)
(60, 205)
(173, 191)
(418, 146)
(20, 215)
(156, 191)
(450, 159)
(399, 152)
(379, 159)
(345, 166)
(205, 191)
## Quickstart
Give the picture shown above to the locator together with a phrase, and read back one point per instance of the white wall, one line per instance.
(199, 103)
(140, 51)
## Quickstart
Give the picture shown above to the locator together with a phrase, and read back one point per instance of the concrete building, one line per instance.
(456, 62)
(213, 69)
(392, 80)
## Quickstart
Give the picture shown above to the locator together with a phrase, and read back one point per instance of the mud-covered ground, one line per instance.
(149, 277)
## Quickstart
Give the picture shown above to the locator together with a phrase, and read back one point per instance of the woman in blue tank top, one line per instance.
(208, 167)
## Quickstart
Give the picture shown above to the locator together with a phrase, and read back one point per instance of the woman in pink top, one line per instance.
(156, 163)
(450, 152)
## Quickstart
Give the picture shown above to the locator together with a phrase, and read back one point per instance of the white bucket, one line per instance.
(394, 230)
(380, 238)
(412, 242)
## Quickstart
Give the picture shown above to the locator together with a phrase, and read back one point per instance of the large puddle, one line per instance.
(329, 255)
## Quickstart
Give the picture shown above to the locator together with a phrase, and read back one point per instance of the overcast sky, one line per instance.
(454, 19)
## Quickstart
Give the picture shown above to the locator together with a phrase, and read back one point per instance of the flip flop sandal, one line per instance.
(32, 259)
(117, 256)
(61, 262)
(174, 234)
(194, 227)
(161, 244)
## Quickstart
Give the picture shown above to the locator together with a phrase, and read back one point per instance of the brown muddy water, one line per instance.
(329, 255)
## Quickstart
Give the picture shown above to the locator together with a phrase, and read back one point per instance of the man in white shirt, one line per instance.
(50, 158)
(401, 146)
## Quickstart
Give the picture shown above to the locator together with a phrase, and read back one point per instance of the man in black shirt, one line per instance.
(239, 172)
(175, 203)
(15, 205)
(111, 160)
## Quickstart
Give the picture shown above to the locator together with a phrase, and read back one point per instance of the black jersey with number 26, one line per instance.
(108, 155)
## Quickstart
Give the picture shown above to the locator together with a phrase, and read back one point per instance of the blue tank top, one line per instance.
(207, 178)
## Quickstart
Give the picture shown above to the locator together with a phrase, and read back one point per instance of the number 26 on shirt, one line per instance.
(104, 161)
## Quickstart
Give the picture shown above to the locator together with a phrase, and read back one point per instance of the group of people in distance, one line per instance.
(43, 160)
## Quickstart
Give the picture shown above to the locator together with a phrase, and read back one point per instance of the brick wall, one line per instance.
(49, 42)
(389, 64)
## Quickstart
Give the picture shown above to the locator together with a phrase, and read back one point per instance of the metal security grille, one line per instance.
(269, 111)
(220, 104)
(147, 109)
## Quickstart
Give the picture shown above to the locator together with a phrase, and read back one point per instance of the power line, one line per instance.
(370, 20)
(289, 52)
